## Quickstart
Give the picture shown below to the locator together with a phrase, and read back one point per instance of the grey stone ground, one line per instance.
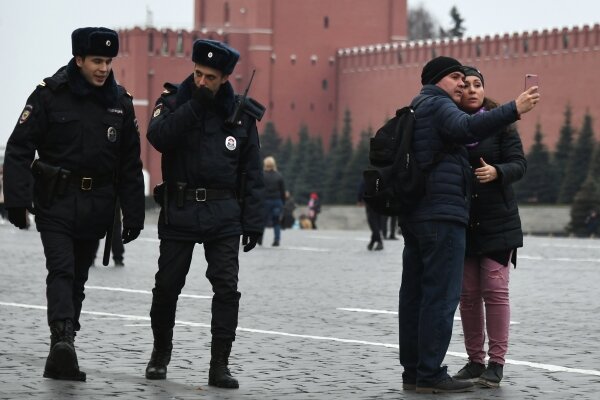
(295, 341)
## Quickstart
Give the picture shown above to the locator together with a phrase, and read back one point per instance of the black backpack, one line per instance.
(394, 183)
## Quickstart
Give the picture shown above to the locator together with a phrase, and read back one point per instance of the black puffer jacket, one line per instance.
(494, 224)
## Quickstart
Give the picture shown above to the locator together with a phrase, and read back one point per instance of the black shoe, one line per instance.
(119, 263)
(409, 381)
(379, 246)
(157, 366)
(218, 374)
(62, 360)
(470, 372)
(370, 245)
(448, 385)
(275, 243)
(492, 375)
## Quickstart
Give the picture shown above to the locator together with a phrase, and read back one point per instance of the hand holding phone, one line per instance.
(531, 80)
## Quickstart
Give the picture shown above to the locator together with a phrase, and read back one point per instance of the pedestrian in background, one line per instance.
(274, 198)
(288, 219)
(314, 208)
(493, 236)
(82, 125)
(212, 194)
(374, 220)
(393, 225)
(434, 232)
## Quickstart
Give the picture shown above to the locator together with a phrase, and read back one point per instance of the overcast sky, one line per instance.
(36, 37)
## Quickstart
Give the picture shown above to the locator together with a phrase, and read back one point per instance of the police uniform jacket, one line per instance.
(494, 225)
(200, 151)
(442, 127)
(88, 132)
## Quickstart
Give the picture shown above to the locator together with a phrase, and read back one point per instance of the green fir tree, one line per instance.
(564, 146)
(339, 157)
(535, 187)
(579, 162)
(284, 155)
(354, 170)
(586, 200)
(270, 141)
(296, 162)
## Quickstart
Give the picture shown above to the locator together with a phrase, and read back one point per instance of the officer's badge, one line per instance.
(157, 111)
(26, 113)
(230, 143)
(111, 134)
(210, 54)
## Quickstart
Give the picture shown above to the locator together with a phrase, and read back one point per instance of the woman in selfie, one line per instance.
(493, 236)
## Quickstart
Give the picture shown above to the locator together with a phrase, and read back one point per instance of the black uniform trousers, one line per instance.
(222, 272)
(68, 261)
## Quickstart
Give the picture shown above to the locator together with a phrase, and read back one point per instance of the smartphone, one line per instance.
(531, 80)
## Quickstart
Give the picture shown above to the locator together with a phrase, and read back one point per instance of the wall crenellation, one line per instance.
(499, 46)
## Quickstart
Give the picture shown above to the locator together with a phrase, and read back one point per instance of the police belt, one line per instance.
(203, 194)
(89, 182)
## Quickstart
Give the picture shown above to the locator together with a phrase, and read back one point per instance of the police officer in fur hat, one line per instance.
(212, 193)
(82, 125)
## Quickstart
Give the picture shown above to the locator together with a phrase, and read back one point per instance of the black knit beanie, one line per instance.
(438, 68)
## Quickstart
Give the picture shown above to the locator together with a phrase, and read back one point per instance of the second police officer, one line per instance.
(212, 192)
(82, 125)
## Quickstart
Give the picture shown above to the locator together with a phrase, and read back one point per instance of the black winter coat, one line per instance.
(199, 149)
(494, 224)
(67, 122)
(439, 124)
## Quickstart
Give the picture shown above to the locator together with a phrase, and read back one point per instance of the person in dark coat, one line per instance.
(493, 236)
(434, 232)
(82, 125)
(374, 220)
(288, 219)
(274, 198)
(212, 193)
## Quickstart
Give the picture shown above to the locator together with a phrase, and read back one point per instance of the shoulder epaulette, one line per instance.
(170, 88)
(252, 107)
(42, 84)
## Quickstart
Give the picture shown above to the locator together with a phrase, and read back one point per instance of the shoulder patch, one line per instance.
(26, 113)
(157, 110)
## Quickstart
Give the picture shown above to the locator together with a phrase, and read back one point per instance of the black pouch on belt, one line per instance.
(53, 180)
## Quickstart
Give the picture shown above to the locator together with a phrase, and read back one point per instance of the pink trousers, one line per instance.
(485, 282)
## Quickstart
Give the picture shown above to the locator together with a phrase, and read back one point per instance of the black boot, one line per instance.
(161, 355)
(62, 359)
(219, 374)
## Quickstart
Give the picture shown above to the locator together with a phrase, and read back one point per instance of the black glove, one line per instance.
(130, 234)
(18, 217)
(249, 241)
(204, 96)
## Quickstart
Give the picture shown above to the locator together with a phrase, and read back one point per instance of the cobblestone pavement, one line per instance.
(317, 321)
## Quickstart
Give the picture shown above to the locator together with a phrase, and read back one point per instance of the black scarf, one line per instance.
(107, 94)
